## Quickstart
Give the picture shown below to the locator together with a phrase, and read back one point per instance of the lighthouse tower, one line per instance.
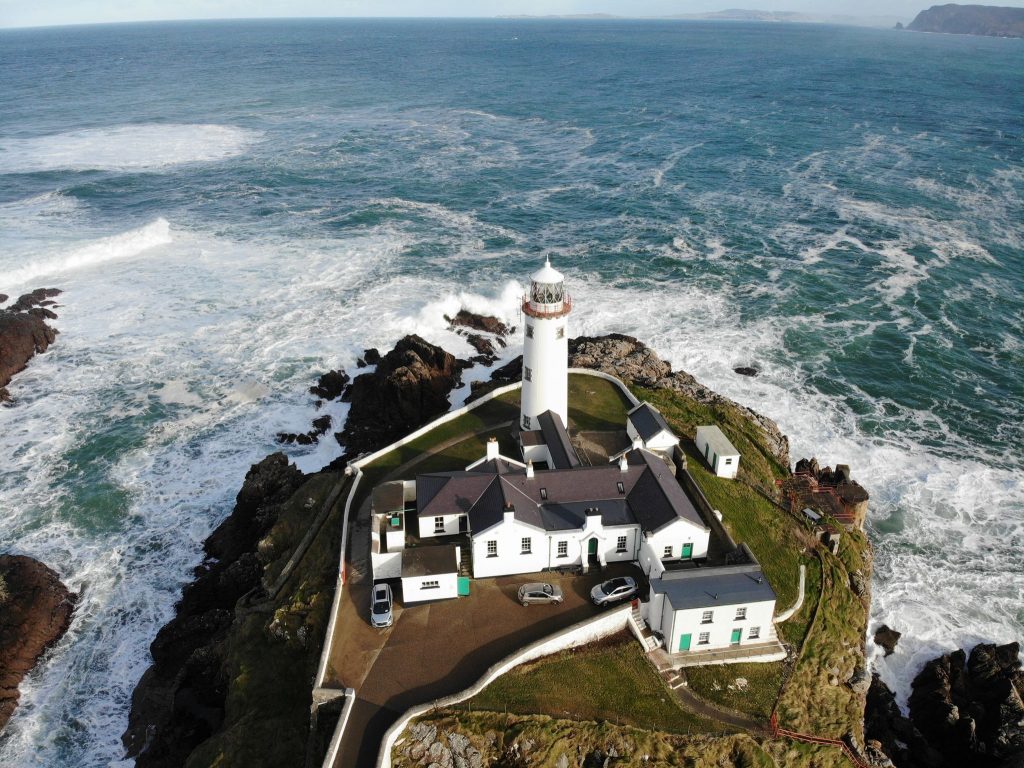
(545, 348)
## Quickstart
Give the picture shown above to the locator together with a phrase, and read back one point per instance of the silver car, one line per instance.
(380, 606)
(539, 593)
(613, 590)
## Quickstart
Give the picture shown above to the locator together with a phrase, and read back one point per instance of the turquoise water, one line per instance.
(231, 207)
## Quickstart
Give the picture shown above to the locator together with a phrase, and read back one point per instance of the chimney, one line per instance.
(529, 469)
(508, 512)
(492, 448)
(623, 464)
(638, 443)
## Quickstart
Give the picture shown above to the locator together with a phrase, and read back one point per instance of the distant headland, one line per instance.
(988, 20)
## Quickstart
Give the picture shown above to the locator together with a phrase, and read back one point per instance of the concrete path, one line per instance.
(676, 680)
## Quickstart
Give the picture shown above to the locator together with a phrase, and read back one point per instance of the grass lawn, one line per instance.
(795, 629)
(596, 404)
(717, 684)
(604, 682)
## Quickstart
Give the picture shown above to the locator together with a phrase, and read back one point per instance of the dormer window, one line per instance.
(544, 493)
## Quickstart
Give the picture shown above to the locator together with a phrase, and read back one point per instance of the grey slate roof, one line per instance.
(648, 421)
(711, 587)
(557, 499)
(429, 561)
(563, 455)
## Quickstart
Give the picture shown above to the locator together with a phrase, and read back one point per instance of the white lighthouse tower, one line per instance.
(545, 348)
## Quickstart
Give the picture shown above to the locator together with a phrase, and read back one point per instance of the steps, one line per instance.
(643, 633)
(466, 561)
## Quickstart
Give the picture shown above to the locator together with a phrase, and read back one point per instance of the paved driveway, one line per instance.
(440, 648)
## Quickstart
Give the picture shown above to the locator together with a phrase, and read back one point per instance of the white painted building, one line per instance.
(545, 348)
(430, 573)
(648, 429)
(717, 451)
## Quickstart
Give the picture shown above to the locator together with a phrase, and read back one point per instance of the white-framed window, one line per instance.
(492, 547)
(668, 551)
(620, 487)
(544, 493)
(529, 331)
(438, 525)
(741, 614)
(728, 462)
(707, 617)
(560, 332)
(620, 545)
(527, 374)
(430, 585)
(527, 545)
(563, 549)
(753, 633)
(704, 638)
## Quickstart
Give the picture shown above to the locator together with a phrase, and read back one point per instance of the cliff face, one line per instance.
(988, 20)
(35, 612)
(24, 332)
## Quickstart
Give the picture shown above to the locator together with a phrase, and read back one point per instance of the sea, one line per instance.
(232, 208)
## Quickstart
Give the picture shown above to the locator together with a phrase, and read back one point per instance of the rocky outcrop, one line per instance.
(409, 388)
(485, 333)
(35, 612)
(987, 20)
(886, 638)
(24, 333)
(888, 730)
(970, 708)
(331, 385)
(485, 323)
(180, 700)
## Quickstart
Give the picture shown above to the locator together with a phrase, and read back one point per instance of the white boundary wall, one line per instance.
(582, 633)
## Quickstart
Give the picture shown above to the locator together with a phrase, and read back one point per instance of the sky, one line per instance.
(28, 13)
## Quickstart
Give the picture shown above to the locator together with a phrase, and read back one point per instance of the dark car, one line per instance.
(613, 590)
(540, 593)
(380, 606)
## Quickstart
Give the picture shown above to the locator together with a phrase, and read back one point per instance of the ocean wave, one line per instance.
(125, 148)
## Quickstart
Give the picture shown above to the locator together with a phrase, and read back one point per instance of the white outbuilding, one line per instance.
(648, 429)
(430, 573)
(717, 451)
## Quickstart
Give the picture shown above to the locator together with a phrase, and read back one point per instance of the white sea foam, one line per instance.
(125, 148)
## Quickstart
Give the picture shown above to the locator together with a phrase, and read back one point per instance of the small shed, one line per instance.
(646, 424)
(430, 572)
(717, 451)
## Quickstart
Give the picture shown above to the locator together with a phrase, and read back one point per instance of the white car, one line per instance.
(380, 606)
(540, 593)
(613, 590)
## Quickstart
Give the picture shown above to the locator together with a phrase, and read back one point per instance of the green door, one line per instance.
(687, 550)
(592, 547)
(463, 586)
(684, 642)
(736, 635)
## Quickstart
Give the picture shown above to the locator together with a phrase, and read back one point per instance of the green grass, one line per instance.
(596, 405)
(795, 629)
(717, 684)
(604, 682)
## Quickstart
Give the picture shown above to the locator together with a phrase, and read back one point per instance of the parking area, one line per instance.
(436, 649)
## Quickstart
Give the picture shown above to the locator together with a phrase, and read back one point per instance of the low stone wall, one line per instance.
(607, 377)
(694, 492)
(582, 633)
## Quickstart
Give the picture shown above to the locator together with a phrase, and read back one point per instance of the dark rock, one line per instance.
(3, 297)
(330, 385)
(485, 323)
(320, 426)
(24, 333)
(885, 725)
(180, 700)
(887, 638)
(370, 357)
(745, 370)
(409, 388)
(512, 371)
(482, 345)
(35, 612)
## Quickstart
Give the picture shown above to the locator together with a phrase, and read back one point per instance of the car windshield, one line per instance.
(380, 607)
(615, 584)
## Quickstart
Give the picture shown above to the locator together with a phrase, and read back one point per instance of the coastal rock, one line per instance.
(485, 323)
(887, 638)
(409, 387)
(370, 357)
(24, 333)
(987, 20)
(330, 385)
(35, 612)
(971, 708)
(180, 700)
(320, 426)
(746, 370)
(893, 732)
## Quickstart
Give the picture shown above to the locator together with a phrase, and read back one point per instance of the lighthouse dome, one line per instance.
(547, 274)
(547, 288)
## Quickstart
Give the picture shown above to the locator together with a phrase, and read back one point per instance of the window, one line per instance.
(707, 617)
(526, 422)
(620, 545)
(704, 638)
(560, 332)
(754, 633)
(728, 462)
(668, 552)
(527, 545)
(430, 585)
(492, 548)
(563, 549)
(544, 493)
(527, 374)
(529, 331)
(741, 614)
(621, 488)
(438, 525)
